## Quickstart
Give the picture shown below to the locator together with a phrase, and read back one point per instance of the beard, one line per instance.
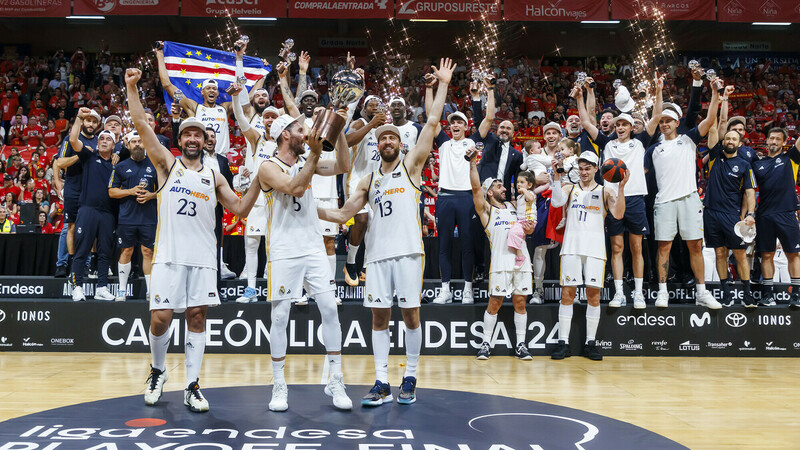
(137, 153)
(389, 153)
(730, 148)
(296, 146)
(504, 138)
(88, 130)
(260, 108)
(573, 130)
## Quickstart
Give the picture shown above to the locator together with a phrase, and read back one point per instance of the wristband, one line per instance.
(750, 214)
(697, 83)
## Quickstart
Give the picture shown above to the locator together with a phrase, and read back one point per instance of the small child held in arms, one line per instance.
(526, 212)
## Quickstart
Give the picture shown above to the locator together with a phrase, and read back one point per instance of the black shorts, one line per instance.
(783, 226)
(634, 221)
(130, 235)
(718, 230)
(71, 206)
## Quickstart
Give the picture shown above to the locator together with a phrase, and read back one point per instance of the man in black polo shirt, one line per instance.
(96, 219)
(776, 214)
(134, 181)
(729, 179)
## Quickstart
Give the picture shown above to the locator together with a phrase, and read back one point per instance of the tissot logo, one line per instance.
(736, 319)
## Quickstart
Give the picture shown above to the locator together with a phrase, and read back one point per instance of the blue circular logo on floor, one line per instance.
(239, 419)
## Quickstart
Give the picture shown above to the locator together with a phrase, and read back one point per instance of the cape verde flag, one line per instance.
(189, 65)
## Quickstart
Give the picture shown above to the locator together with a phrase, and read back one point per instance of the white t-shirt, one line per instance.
(675, 163)
(453, 168)
(632, 154)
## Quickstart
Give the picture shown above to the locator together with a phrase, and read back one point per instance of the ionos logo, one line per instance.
(21, 289)
(779, 320)
(689, 346)
(647, 320)
(33, 316)
(736, 319)
(631, 345)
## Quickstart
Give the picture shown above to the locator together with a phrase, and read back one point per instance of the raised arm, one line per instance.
(302, 81)
(478, 196)
(271, 176)
(591, 103)
(587, 120)
(75, 131)
(244, 101)
(658, 106)
(486, 123)
(616, 202)
(286, 91)
(238, 206)
(160, 156)
(330, 167)
(694, 107)
(722, 128)
(430, 80)
(249, 132)
(187, 103)
(711, 117)
(353, 205)
(417, 156)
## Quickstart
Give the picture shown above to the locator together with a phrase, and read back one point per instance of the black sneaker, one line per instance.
(590, 351)
(408, 389)
(351, 274)
(379, 394)
(562, 351)
(726, 300)
(794, 300)
(484, 352)
(748, 301)
(522, 352)
(767, 300)
(61, 272)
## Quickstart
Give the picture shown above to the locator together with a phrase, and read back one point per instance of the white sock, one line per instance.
(564, 322)
(158, 349)
(637, 285)
(662, 287)
(251, 259)
(700, 288)
(520, 326)
(468, 286)
(277, 371)
(380, 349)
(618, 285)
(413, 346)
(195, 348)
(124, 272)
(147, 282)
(592, 319)
(335, 363)
(332, 262)
(489, 322)
(352, 250)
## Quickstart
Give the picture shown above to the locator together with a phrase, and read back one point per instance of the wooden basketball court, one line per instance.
(698, 402)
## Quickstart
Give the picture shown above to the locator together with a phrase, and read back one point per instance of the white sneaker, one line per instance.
(618, 300)
(443, 297)
(280, 397)
(250, 295)
(302, 301)
(466, 297)
(102, 293)
(193, 398)
(638, 301)
(537, 298)
(662, 300)
(120, 298)
(336, 389)
(155, 386)
(225, 273)
(77, 294)
(707, 299)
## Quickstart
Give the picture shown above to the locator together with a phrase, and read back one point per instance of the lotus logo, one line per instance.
(736, 319)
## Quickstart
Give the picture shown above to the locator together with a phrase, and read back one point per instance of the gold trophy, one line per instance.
(346, 87)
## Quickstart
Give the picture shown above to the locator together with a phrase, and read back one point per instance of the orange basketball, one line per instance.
(613, 170)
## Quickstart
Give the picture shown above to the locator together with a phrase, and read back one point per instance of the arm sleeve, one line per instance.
(794, 154)
(559, 197)
(689, 120)
(477, 112)
(694, 135)
(238, 113)
(601, 142)
(175, 127)
(243, 99)
(749, 181)
(441, 138)
(116, 179)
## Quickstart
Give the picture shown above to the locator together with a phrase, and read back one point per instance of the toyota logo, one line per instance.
(736, 319)
(2, 315)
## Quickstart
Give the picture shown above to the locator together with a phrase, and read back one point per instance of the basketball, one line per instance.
(613, 170)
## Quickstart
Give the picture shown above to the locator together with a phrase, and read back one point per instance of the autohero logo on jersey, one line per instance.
(19, 289)
(190, 193)
(647, 320)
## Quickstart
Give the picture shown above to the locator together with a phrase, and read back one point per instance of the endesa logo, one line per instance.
(647, 320)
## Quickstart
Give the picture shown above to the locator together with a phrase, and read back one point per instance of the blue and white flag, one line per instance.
(189, 65)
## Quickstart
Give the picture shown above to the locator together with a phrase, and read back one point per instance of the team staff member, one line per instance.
(96, 216)
(776, 218)
(134, 182)
(730, 179)
(71, 185)
(583, 251)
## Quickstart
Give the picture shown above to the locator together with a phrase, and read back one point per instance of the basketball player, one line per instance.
(409, 131)
(497, 217)
(629, 148)
(366, 159)
(583, 251)
(184, 259)
(210, 113)
(295, 253)
(133, 182)
(394, 253)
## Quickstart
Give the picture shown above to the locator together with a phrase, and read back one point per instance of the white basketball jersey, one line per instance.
(632, 154)
(394, 228)
(257, 219)
(256, 123)
(186, 218)
(216, 118)
(500, 222)
(364, 157)
(408, 136)
(525, 209)
(585, 231)
(292, 223)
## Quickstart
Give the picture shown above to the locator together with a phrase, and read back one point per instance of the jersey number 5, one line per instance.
(187, 208)
(297, 205)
